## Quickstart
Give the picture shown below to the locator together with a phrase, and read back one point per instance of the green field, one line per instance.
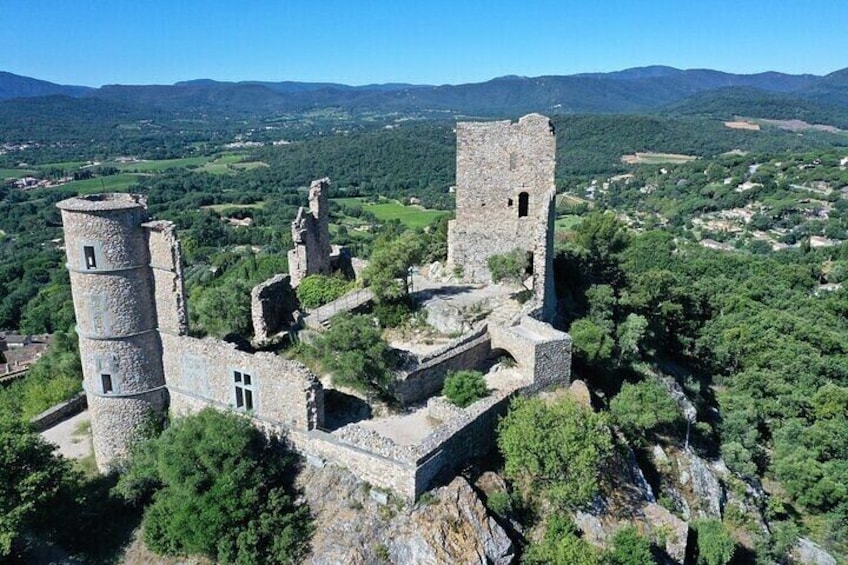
(230, 163)
(567, 222)
(223, 208)
(15, 173)
(387, 210)
(161, 165)
(114, 183)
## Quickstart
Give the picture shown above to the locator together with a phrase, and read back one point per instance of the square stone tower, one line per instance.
(505, 199)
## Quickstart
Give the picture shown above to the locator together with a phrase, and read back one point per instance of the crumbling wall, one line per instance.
(273, 307)
(168, 284)
(505, 195)
(311, 235)
(199, 372)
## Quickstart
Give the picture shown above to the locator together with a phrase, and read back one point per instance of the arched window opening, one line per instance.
(523, 204)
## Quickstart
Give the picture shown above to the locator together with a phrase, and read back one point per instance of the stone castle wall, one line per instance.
(505, 195)
(167, 270)
(272, 307)
(428, 378)
(200, 373)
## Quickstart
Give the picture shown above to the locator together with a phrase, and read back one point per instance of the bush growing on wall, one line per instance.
(510, 267)
(317, 290)
(464, 387)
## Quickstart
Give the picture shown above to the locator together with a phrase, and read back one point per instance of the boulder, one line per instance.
(455, 530)
(807, 552)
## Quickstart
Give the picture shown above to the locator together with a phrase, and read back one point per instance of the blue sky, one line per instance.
(95, 42)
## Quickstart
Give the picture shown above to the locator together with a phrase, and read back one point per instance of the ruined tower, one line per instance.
(114, 282)
(505, 199)
(311, 235)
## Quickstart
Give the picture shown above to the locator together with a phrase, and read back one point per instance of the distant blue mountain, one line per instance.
(643, 89)
(16, 86)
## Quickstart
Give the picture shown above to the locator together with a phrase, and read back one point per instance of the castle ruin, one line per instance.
(311, 235)
(139, 361)
(505, 200)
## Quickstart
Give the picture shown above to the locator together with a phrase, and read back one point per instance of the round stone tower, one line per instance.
(120, 348)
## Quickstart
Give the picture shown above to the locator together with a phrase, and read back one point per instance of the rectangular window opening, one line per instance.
(90, 260)
(243, 390)
(106, 381)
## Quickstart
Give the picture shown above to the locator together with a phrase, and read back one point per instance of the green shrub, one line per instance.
(629, 547)
(317, 290)
(464, 387)
(561, 545)
(554, 451)
(510, 266)
(392, 314)
(500, 503)
(715, 546)
(644, 408)
(219, 488)
(355, 353)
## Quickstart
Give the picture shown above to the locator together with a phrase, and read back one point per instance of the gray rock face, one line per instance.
(356, 529)
(705, 485)
(808, 552)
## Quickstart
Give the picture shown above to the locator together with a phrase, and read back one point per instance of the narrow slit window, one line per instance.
(523, 204)
(509, 202)
(90, 259)
(106, 382)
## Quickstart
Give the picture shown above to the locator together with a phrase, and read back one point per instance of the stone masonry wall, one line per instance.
(311, 235)
(113, 294)
(272, 307)
(199, 372)
(429, 377)
(167, 270)
(543, 353)
(504, 198)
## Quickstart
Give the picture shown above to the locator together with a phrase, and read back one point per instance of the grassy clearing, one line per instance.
(567, 222)
(656, 158)
(15, 173)
(223, 208)
(161, 165)
(230, 163)
(69, 165)
(386, 210)
(114, 183)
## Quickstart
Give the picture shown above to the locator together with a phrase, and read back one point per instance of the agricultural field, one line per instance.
(15, 173)
(113, 183)
(225, 209)
(656, 158)
(386, 210)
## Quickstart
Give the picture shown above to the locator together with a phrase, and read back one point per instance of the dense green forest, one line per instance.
(748, 333)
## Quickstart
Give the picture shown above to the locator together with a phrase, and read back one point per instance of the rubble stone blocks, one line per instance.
(505, 195)
(311, 235)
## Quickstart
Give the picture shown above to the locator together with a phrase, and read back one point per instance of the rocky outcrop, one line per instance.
(808, 552)
(455, 529)
(354, 527)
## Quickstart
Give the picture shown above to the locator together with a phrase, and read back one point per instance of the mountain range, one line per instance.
(644, 89)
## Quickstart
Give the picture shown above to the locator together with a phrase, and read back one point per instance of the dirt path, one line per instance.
(72, 436)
